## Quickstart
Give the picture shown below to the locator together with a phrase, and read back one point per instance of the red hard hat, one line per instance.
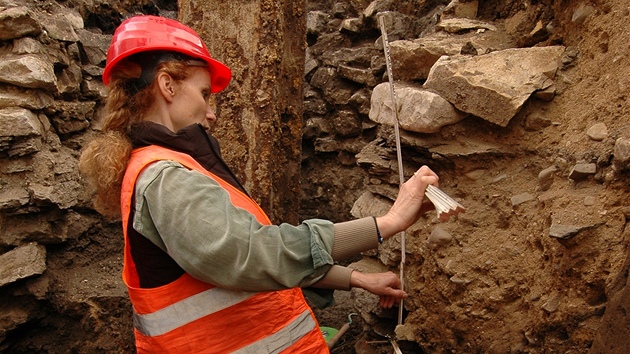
(151, 33)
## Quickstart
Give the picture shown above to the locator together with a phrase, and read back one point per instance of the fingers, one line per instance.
(392, 294)
(386, 285)
(387, 301)
(426, 175)
(425, 171)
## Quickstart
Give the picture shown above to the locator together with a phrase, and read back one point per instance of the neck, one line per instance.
(159, 114)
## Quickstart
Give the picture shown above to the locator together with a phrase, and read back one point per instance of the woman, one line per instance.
(205, 269)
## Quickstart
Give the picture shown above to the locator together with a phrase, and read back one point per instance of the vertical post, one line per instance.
(260, 113)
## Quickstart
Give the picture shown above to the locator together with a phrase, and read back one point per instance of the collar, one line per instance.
(192, 140)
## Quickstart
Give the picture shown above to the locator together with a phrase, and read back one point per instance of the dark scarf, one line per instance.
(154, 266)
(192, 140)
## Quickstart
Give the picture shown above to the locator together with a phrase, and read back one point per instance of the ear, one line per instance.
(166, 86)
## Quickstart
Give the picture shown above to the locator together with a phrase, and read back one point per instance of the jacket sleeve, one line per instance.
(190, 216)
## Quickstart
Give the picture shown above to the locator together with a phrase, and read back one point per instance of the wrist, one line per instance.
(385, 227)
(356, 279)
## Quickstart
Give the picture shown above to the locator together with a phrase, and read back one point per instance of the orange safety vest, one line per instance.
(190, 316)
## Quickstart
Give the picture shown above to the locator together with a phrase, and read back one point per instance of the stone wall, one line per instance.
(60, 264)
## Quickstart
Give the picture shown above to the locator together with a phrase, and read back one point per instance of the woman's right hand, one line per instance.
(408, 206)
(386, 285)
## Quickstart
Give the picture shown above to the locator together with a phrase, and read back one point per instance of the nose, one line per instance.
(210, 116)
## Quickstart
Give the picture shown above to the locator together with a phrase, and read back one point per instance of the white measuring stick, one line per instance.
(388, 62)
(444, 205)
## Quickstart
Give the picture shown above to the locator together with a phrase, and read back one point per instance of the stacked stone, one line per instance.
(50, 93)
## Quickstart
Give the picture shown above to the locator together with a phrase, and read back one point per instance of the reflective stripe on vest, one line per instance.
(188, 310)
(189, 316)
(284, 338)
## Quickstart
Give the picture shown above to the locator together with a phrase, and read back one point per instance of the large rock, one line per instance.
(19, 122)
(29, 71)
(358, 57)
(59, 25)
(621, 160)
(457, 25)
(316, 22)
(496, 85)
(398, 26)
(12, 96)
(370, 204)
(22, 262)
(461, 9)
(413, 59)
(16, 22)
(69, 117)
(419, 110)
(51, 227)
(20, 131)
(93, 45)
(334, 89)
(11, 199)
